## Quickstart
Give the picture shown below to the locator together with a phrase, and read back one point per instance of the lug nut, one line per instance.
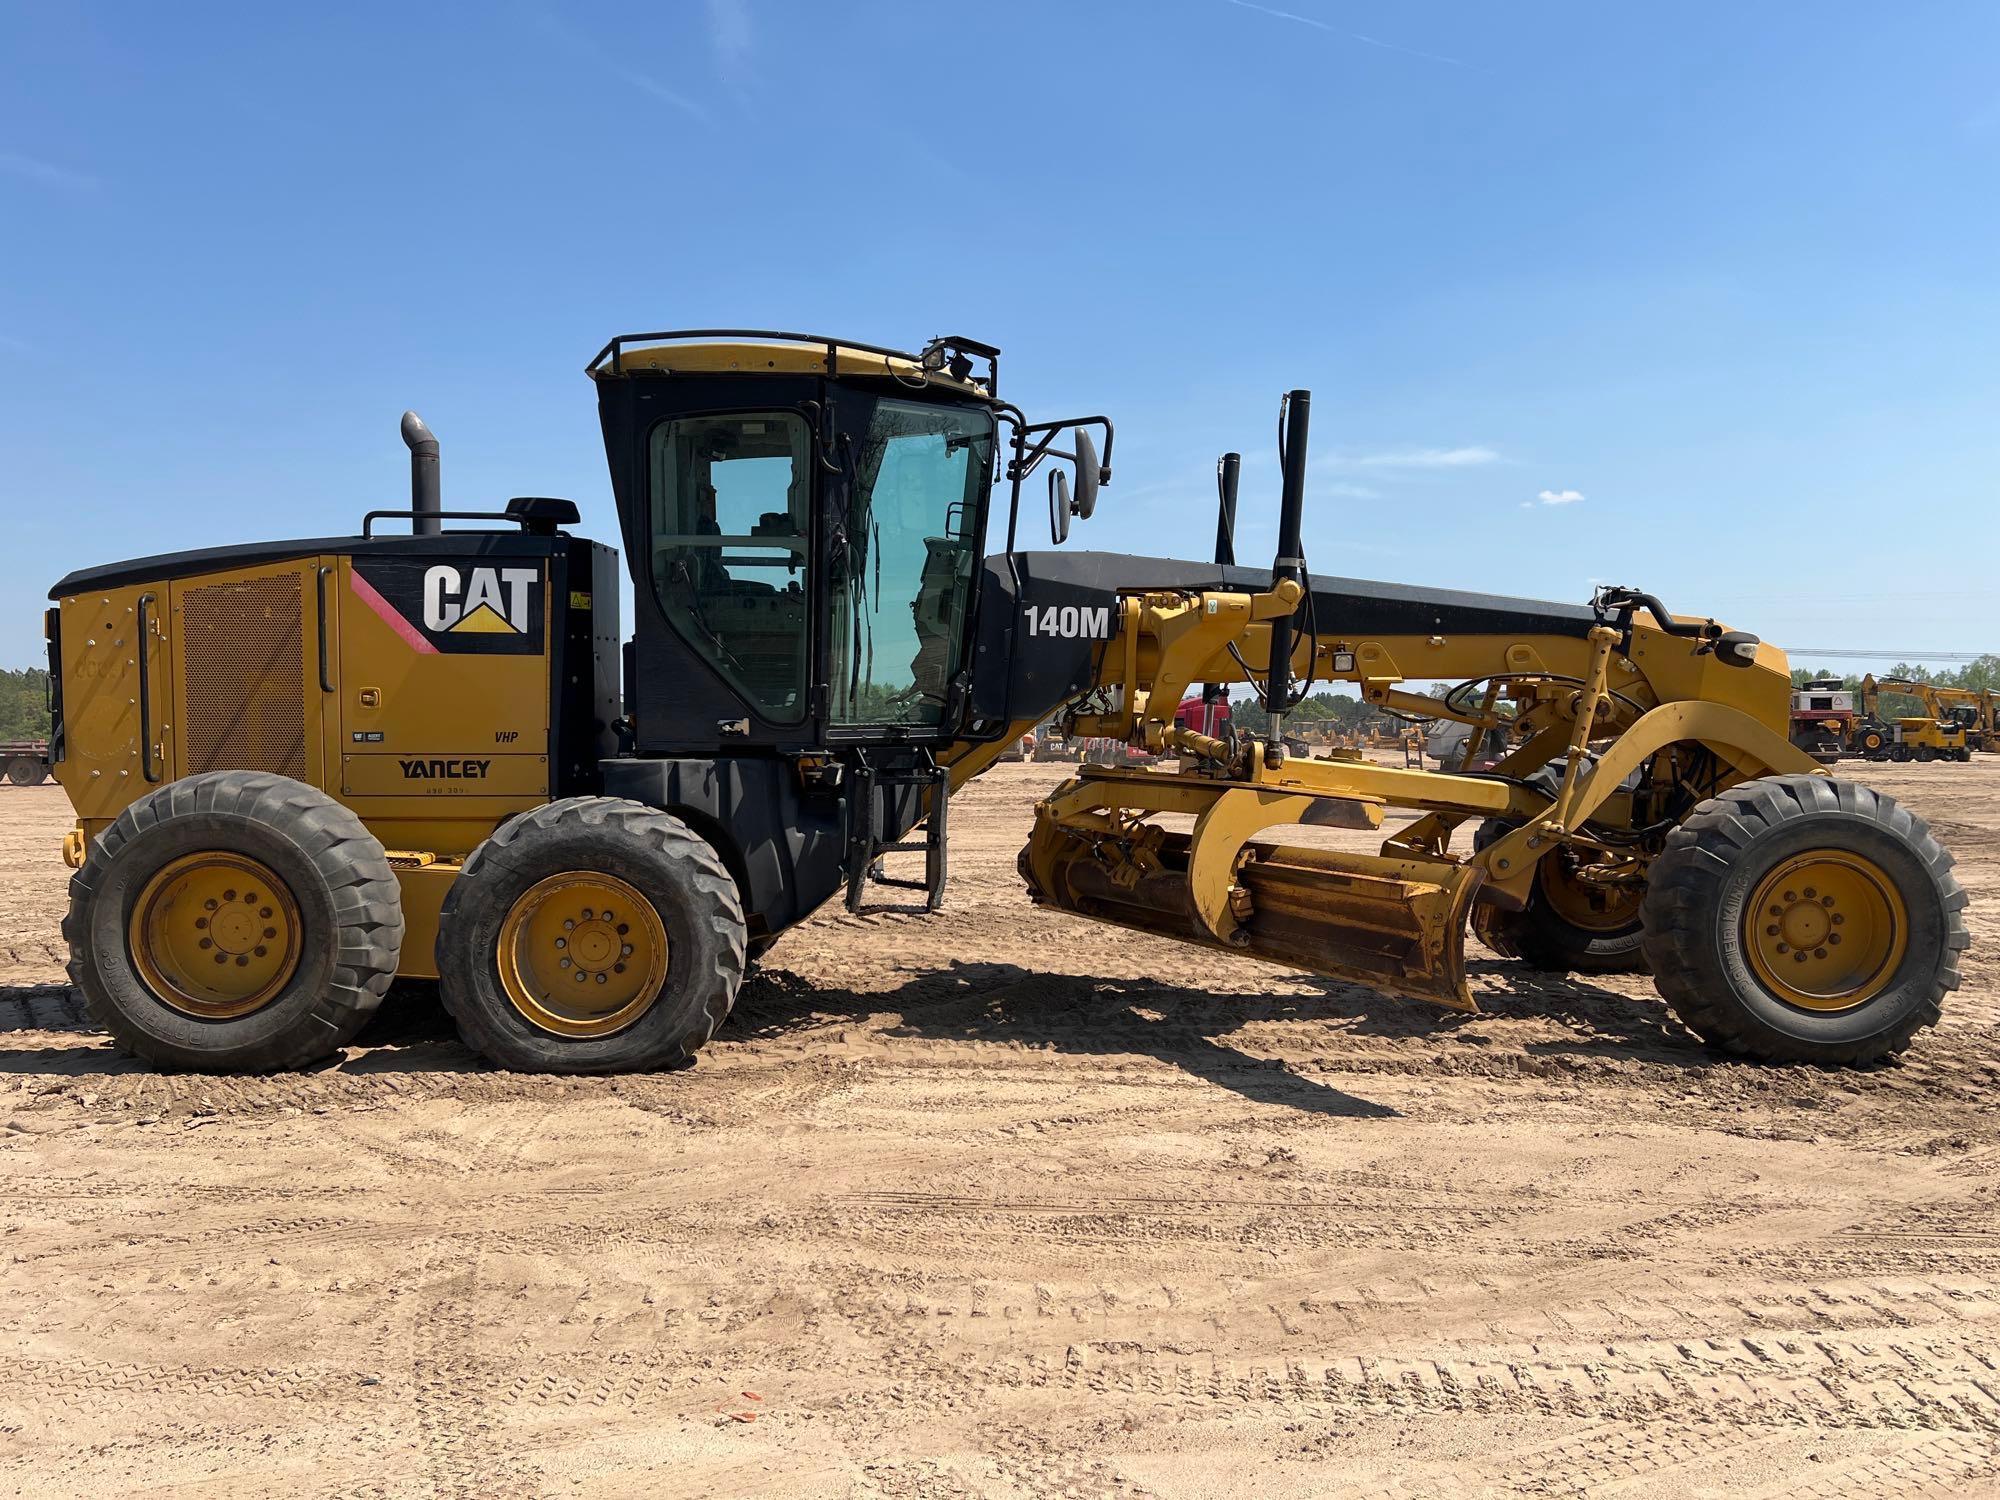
(249, 898)
(270, 932)
(1800, 956)
(222, 958)
(1827, 902)
(1833, 938)
(206, 943)
(208, 906)
(1784, 948)
(581, 976)
(261, 951)
(608, 914)
(1774, 929)
(623, 928)
(1777, 911)
(565, 963)
(242, 960)
(625, 950)
(229, 895)
(1819, 953)
(588, 914)
(618, 968)
(200, 922)
(1811, 894)
(562, 942)
(600, 979)
(1838, 919)
(265, 914)
(1789, 896)
(568, 925)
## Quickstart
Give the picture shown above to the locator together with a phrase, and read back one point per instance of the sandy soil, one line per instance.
(1001, 1203)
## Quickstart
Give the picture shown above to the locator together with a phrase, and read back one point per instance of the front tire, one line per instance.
(27, 770)
(235, 921)
(593, 935)
(1802, 919)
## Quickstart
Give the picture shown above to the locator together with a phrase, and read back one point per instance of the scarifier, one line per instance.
(302, 768)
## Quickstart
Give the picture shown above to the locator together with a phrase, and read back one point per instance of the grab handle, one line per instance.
(146, 691)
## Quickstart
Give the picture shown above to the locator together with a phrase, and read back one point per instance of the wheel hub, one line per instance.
(1592, 905)
(215, 935)
(582, 954)
(1826, 931)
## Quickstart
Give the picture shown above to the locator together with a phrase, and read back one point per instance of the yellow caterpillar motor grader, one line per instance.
(302, 768)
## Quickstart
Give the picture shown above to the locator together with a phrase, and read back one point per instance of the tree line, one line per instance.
(24, 704)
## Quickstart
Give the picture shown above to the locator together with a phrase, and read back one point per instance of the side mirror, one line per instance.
(1059, 506)
(1087, 475)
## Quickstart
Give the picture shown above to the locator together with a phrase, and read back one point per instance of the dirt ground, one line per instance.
(1002, 1203)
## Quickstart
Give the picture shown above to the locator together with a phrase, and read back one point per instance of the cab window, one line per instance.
(731, 503)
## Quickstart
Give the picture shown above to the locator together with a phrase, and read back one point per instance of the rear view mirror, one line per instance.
(1059, 506)
(1087, 475)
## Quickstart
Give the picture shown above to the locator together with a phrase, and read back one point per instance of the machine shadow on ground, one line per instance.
(1003, 1005)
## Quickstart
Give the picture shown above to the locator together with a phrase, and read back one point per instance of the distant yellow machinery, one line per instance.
(1935, 734)
(301, 768)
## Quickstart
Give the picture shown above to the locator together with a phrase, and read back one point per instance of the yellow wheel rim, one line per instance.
(1583, 903)
(1826, 931)
(582, 954)
(215, 935)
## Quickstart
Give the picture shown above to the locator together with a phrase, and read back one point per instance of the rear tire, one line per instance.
(26, 770)
(1737, 879)
(507, 962)
(304, 945)
(1543, 937)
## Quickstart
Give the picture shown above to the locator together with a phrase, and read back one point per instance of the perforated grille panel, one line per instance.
(242, 654)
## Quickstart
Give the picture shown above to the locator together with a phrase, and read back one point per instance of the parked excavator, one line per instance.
(303, 768)
(1935, 734)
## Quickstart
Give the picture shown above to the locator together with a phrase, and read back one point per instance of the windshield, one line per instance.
(903, 562)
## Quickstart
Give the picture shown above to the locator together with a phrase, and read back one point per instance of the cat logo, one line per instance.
(456, 607)
(478, 601)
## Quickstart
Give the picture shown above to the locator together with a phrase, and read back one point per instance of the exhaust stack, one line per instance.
(426, 491)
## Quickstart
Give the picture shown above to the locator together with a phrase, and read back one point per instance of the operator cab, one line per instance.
(803, 519)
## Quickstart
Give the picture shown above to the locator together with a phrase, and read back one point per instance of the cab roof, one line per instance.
(946, 363)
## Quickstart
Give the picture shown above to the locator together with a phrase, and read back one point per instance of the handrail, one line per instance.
(325, 673)
(145, 692)
(616, 348)
(368, 521)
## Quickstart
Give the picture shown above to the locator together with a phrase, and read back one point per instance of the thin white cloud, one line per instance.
(1560, 497)
(729, 31)
(584, 47)
(47, 173)
(1348, 491)
(1352, 36)
(1429, 458)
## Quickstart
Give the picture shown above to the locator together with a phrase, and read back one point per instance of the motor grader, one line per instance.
(303, 768)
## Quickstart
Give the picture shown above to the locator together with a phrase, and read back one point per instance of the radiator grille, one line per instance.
(242, 650)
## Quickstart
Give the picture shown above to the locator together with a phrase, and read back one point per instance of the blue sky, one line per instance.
(1726, 274)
